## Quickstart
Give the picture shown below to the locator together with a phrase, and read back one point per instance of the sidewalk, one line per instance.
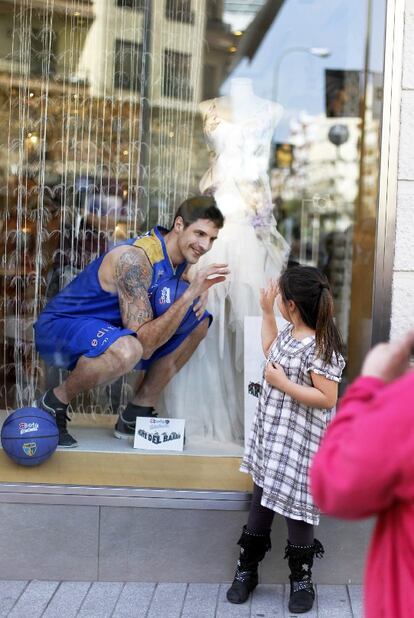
(52, 599)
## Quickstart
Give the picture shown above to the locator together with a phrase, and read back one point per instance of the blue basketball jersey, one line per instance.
(85, 320)
(84, 296)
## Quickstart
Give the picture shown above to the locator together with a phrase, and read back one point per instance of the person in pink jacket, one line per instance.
(365, 467)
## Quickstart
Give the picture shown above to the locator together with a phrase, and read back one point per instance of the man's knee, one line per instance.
(126, 352)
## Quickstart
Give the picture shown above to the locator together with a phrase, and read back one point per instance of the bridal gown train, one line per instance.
(208, 391)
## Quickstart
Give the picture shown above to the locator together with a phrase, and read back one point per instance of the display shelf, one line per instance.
(101, 459)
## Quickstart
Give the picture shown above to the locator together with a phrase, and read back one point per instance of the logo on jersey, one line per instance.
(165, 298)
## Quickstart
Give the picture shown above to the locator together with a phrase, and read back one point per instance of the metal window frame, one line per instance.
(387, 201)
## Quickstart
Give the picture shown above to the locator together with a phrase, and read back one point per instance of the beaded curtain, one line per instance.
(98, 114)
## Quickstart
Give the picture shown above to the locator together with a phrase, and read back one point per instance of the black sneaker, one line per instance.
(58, 411)
(125, 429)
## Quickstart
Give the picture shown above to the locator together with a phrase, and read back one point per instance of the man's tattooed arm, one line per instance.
(133, 275)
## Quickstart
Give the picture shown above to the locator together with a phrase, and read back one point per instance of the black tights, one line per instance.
(261, 519)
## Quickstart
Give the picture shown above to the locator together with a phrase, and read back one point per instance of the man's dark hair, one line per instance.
(200, 207)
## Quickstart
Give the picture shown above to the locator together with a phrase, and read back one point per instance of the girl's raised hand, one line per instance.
(268, 295)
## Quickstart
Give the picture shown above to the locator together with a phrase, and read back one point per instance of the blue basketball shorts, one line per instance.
(61, 341)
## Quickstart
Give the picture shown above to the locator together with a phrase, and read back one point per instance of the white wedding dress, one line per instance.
(208, 391)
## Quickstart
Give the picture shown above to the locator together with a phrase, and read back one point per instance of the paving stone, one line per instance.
(34, 599)
(134, 601)
(268, 601)
(168, 601)
(9, 593)
(67, 600)
(100, 600)
(230, 610)
(201, 601)
(357, 600)
(333, 602)
(313, 612)
(151, 600)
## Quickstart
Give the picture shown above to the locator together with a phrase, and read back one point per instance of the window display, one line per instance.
(113, 113)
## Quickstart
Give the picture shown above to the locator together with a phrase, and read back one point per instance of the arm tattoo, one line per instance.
(133, 274)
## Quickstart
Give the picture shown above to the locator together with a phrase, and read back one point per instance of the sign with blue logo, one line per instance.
(159, 434)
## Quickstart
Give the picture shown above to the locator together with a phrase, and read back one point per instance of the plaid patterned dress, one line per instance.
(286, 434)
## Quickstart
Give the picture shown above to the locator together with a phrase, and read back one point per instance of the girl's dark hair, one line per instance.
(309, 289)
(200, 207)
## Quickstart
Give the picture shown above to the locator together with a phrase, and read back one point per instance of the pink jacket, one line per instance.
(364, 467)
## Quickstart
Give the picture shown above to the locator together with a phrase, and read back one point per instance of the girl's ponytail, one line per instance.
(309, 289)
(327, 336)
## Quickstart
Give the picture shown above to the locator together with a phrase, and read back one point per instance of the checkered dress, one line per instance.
(286, 434)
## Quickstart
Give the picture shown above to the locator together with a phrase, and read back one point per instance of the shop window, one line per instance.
(179, 10)
(113, 154)
(128, 65)
(177, 75)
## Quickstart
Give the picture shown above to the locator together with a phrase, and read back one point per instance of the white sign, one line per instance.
(159, 434)
(253, 364)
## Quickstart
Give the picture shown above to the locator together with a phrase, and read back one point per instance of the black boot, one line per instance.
(253, 549)
(302, 593)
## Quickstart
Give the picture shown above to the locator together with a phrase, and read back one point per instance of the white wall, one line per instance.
(402, 315)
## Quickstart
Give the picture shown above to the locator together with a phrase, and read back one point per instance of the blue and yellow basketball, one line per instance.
(29, 436)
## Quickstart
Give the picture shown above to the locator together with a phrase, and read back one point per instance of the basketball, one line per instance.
(29, 436)
(165, 295)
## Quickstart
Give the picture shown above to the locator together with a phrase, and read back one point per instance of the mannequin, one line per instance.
(208, 391)
(239, 129)
(241, 102)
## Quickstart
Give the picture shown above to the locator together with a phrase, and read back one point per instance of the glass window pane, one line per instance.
(112, 115)
(179, 10)
(137, 5)
(177, 75)
(128, 65)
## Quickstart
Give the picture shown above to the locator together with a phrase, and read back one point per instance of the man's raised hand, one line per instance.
(207, 277)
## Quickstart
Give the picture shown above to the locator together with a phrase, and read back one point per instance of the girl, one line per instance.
(297, 400)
